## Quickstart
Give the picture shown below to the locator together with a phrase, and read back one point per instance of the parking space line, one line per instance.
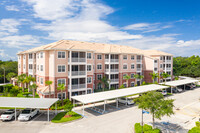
(36, 118)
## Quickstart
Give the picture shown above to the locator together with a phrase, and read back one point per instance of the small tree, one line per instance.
(140, 77)
(68, 106)
(155, 103)
(21, 79)
(61, 87)
(33, 87)
(49, 84)
(165, 76)
(10, 75)
(154, 76)
(104, 82)
(14, 91)
(127, 77)
(121, 86)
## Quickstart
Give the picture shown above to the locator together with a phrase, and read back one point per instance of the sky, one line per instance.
(171, 26)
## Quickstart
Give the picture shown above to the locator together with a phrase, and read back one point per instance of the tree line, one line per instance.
(186, 66)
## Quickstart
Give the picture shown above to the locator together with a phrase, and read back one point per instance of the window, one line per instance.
(99, 86)
(124, 84)
(41, 54)
(19, 56)
(89, 67)
(41, 81)
(41, 68)
(24, 66)
(89, 55)
(99, 66)
(132, 57)
(61, 55)
(99, 76)
(89, 80)
(155, 61)
(160, 73)
(59, 95)
(125, 57)
(19, 65)
(99, 57)
(155, 69)
(30, 56)
(169, 57)
(24, 56)
(38, 67)
(132, 75)
(38, 55)
(160, 57)
(38, 79)
(30, 66)
(61, 68)
(160, 65)
(132, 66)
(61, 81)
(132, 84)
(125, 66)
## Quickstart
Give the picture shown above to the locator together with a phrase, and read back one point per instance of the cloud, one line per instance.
(147, 27)
(9, 25)
(194, 43)
(12, 8)
(3, 55)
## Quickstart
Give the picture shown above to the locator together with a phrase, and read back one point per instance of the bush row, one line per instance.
(146, 129)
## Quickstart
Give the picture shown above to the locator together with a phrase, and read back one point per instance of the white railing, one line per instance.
(139, 61)
(106, 70)
(169, 61)
(114, 60)
(30, 60)
(155, 64)
(106, 60)
(78, 59)
(114, 80)
(77, 73)
(139, 69)
(78, 86)
(114, 70)
(169, 69)
(30, 70)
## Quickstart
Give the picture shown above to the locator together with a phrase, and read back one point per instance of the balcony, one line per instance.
(30, 70)
(79, 86)
(114, 80)
(139, 69)
(114, 60)
(112, 70)
(169, 69)
(77, 59)
(77, 73)
(139, 61)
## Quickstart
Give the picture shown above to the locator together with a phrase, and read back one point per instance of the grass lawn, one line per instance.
(59, 118)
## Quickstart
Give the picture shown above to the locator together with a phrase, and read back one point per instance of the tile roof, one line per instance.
(155, 53)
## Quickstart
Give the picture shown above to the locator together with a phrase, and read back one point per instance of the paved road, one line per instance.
(117, 121)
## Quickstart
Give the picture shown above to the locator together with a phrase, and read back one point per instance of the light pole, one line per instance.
(142, 120)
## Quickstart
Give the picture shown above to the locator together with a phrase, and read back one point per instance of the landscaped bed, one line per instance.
(64, 117)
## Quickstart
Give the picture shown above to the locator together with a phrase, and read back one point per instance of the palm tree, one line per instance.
(154, 76)
(140, 77)
(127, 77)
(61, 87)
(33, 88)
(165, 76)
(10, 75)
(104, 82)
(28, 80)
(21, 79)
(49, 84)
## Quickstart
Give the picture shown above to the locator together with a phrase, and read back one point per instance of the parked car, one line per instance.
(9, 115)
(28, 114)
(173, 89)
(189, 87)
(123, 100)
(164, 92)
(179, 89)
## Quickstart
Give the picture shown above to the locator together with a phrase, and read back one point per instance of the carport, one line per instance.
(38, 103)
(114, 94)
(180, 82)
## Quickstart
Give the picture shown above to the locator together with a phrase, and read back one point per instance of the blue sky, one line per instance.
(169, 25)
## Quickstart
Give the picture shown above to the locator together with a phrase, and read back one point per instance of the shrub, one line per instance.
(14, 91)
(146, 129)
(194, 130)
(198, 124)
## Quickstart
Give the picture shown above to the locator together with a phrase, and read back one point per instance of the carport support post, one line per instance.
(56, 108)
(171, 90)
(83, 109)
(15, 114)
(117, 103)
(104, 105)
(48, 115)
(184, 87)
(126, 101)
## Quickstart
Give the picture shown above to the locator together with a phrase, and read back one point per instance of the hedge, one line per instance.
(146, 129)
(195, 129)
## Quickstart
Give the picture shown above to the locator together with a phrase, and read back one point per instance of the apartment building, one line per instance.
(157, 62)
(81, 65)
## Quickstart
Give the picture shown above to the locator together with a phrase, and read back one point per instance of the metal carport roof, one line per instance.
(180, 82)
(43, 103)
(100, 96)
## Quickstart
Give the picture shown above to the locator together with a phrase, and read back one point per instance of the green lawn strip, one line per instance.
(59, 118)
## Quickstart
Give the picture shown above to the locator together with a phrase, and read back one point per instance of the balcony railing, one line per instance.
(168, 68)
(77, 73)
(112, 70)
(114, 60)
(139, 61)
(78, 86)
(77, 59)
(30, 70)
(114, 80)
(139, 69)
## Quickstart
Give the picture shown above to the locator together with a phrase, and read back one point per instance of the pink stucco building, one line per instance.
(80, 65)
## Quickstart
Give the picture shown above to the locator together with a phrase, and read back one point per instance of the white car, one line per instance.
(164, 92)
(9, 115)
(123, 100)
(28, 114)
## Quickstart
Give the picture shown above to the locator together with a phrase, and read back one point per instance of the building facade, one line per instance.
(81, 65)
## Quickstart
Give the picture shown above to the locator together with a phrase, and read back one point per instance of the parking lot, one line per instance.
(187, 109)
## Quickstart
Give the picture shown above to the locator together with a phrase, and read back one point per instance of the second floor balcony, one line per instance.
(78, 86)
(77, 60)
(77, 73)
(139, 69)
(114, 80)
(112, 70)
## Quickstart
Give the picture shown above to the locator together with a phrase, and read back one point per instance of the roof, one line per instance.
(155, 53)
(86, 46)
(45, 90)
(100, 96)
(180, 82)
(44, 103)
